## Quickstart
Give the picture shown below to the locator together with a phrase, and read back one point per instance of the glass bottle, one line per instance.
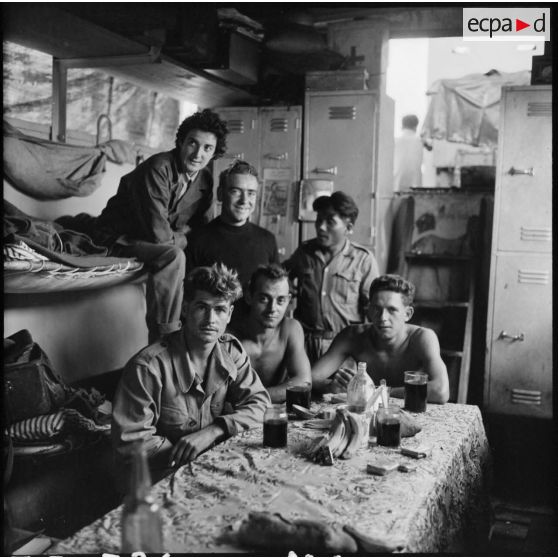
(142, 529)
(359, 390)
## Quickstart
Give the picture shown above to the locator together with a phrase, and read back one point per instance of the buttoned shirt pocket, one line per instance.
(174, 422)
(346, 286)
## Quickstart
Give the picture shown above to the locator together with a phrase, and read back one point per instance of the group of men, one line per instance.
(222, 345)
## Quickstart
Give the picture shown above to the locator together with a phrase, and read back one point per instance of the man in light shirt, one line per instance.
(407, 156)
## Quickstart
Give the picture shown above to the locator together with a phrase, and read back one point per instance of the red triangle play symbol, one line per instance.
(519, 25)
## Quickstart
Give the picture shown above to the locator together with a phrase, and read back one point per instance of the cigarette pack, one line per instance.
(381, 466)
(418, 452)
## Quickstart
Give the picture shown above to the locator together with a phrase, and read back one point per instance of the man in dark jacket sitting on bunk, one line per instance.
(156, 205)
(173, 394)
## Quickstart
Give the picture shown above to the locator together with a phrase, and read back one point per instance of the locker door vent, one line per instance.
(235, 126)
(342, 113)
(279, 125)
(533, 277)
(526, 397)
(536, 235)
(539, 109)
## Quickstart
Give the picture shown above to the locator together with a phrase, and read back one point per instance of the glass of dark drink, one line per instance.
(388, 426)
(275, 426)
(298, 394)
(415, 391)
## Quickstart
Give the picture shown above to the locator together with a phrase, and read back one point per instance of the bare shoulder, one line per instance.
(290, 327)
(422, 337)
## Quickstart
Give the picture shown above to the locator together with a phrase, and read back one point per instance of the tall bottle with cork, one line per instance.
(359, 390)
(141, 521)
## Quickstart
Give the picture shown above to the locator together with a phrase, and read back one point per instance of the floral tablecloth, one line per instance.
(441, 506)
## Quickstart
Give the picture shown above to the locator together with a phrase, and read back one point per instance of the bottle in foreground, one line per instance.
(359, 390)
(141, 521)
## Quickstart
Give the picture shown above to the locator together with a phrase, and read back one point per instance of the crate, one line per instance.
(339, 80)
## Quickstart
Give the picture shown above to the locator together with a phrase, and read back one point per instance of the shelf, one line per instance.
(440, 304)
(436, 257)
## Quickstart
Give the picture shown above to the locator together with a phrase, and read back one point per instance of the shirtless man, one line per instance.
(274, 343)
(388, 345)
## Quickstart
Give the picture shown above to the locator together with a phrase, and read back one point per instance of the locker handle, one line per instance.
(279, 157)
(528, 172)
(331, 170)
(504, 335)
(233, 156)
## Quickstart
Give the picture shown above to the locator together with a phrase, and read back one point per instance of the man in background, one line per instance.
(333, 274)
(231, 238)
(407, 157)
(172, 393)
(274, 343)
(156, 205)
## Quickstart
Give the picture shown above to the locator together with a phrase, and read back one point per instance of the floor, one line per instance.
(524, 489)
(519, 529)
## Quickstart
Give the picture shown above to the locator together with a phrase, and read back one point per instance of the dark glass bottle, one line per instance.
(141, 521)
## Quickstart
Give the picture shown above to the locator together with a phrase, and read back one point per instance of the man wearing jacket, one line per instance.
(156, 205)
(172, 394)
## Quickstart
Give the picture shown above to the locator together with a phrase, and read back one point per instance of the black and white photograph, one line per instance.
(278, 279)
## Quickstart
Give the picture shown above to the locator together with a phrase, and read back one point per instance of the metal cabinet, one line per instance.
(348, 139)
(270, 139)
(518, 377)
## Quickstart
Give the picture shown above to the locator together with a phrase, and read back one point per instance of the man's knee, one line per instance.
(170, 256)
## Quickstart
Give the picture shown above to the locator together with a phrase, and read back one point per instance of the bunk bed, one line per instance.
(86, 310)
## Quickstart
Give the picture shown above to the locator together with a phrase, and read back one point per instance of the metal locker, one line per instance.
(340, 127)
(525, 172)
(280, 140)
(518, 377)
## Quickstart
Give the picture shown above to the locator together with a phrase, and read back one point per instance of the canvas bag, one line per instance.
(31, 385)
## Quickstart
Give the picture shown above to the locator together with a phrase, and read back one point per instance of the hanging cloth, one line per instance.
(46, 170)
(467, 109)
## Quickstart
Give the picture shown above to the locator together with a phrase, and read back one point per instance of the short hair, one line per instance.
(238, 167)
(410, 121)
(217, 280)
(273, 272)
(394, 283)
(340, 202)
(206, 121)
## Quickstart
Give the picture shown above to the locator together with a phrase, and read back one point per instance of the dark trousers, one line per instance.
(165, 286)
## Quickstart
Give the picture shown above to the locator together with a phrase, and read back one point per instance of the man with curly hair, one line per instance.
(172, 394)
(156, 205)
(388, 344)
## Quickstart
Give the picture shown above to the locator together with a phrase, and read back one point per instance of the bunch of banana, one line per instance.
(345, 436)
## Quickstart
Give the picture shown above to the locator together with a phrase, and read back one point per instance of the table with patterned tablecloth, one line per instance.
(441, 506)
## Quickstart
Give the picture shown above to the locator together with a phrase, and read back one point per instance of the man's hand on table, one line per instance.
(191, 445)
(340, 380)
